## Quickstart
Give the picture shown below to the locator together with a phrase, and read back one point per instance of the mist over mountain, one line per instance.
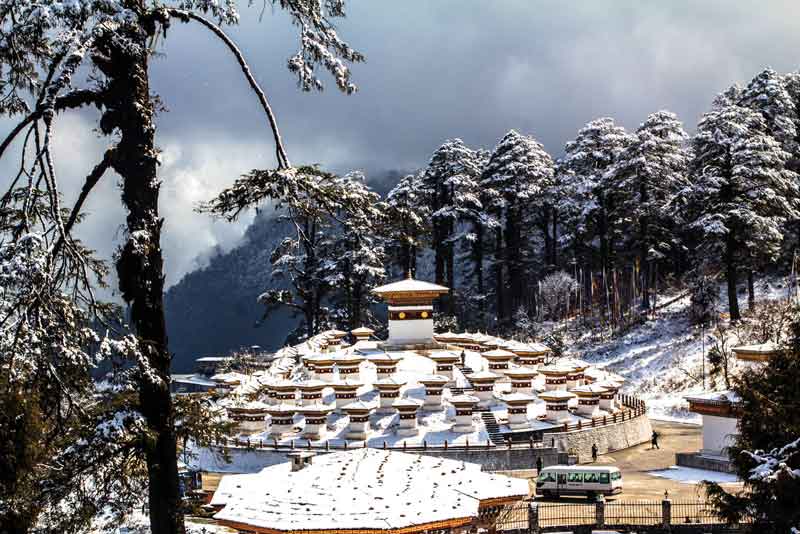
(213, 309)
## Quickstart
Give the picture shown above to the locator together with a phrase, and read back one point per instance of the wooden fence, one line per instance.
(534, 517)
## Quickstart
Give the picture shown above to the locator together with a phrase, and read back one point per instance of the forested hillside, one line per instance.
(522, 236)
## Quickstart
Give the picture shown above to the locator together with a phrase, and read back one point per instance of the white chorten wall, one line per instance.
(411, 331)
(718, 434)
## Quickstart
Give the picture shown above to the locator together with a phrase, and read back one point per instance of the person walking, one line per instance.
(539, 465)
(654, 441)
(594, 452)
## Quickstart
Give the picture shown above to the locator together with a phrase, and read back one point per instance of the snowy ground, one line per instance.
(662, 359)
(688, 475)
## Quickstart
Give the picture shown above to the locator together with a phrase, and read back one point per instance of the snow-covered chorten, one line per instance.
(410, 310)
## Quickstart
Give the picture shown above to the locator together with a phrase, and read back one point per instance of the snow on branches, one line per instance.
(779, 463)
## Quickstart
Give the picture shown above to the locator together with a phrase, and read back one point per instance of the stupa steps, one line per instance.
(492, 428)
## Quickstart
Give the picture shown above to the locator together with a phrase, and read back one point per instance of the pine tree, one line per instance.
(742, 191)
(328, 257)
(479, 223)
(406, 223)
(586, 205)
(647, 177)
(513, 184)
(355, 262)
(769, 95)
(449, 185)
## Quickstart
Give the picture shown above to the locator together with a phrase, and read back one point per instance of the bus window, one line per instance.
(616, 475)
(590, 478)
(547, 477)
(575, 477)
(603, 478)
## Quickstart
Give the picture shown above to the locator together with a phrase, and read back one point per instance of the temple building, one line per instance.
(404, 494)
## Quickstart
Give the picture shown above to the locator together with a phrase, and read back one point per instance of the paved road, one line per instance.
(637, 461)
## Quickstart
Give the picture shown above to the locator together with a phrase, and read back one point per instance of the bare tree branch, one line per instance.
(185, 16)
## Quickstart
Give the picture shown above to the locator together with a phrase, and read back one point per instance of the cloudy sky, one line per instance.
(435, 69)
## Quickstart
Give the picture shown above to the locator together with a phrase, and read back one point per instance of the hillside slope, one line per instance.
(662, 359)
(213, 310)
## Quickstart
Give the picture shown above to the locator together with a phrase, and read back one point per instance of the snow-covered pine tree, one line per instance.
(449, 186)
(742, 191)
(647, 177)
(44, 48)
(305, 265)
(355, 261)
(768, 94)
(479, 223)
(513, 184)
(406, 223)
(585, 206)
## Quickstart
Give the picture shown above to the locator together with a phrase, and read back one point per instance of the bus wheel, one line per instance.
(591, 495)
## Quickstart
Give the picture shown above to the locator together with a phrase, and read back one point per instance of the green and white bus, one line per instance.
(589, 481)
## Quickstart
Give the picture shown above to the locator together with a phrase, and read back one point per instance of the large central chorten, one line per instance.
(410, 310)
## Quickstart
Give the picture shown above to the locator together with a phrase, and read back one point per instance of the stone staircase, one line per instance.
(492, 428)
(465, 370)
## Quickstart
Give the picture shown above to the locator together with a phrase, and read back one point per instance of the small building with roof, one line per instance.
(720, 414)
(410, 310)
(402, 494)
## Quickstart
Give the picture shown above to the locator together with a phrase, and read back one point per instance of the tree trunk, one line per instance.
(554, 258)
(129, 111)
(751, 291)
(499, 286)
(477, 257)
(730, 275)
(451, 282)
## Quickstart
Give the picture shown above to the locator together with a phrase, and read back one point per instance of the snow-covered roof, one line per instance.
(464, 399)
(362, 330)
(365, 490)
(763, 348)
(390, 381)
(483, 375)
(590, 389)
(714, 396)
(517, 397)
(410, 285)
(556, 395)
(555, 369)
(213, 359)
(228, 486)
(498, 353)
(433, 379)
(196, 380)
(520, 371)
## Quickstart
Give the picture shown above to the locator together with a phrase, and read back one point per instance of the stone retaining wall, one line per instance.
(501, 459)
(493, 459)
(698, 461)
(608, 438)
